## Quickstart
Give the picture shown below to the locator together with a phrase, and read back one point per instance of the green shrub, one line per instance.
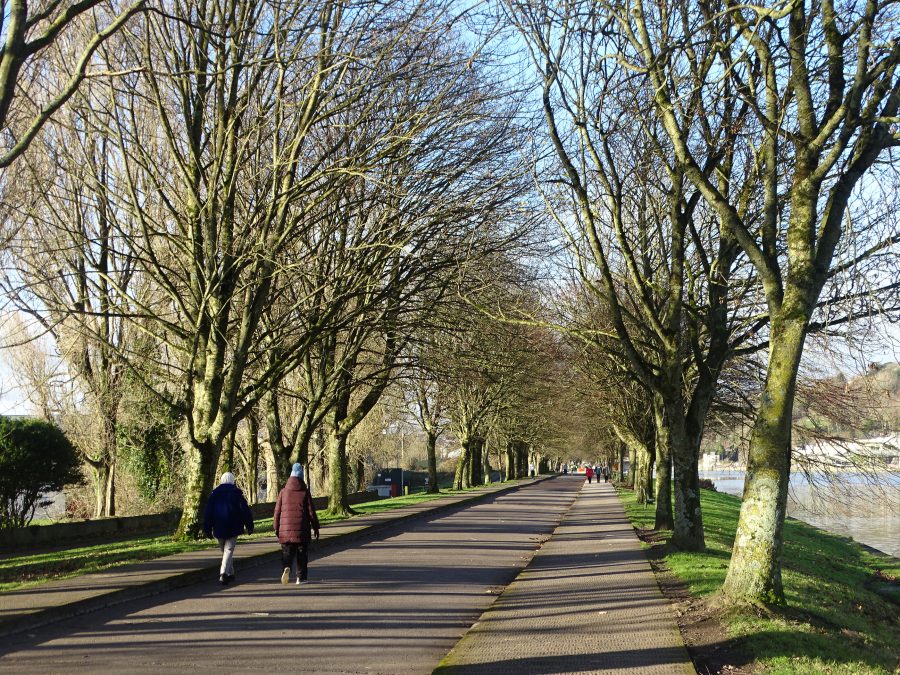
(35, 458)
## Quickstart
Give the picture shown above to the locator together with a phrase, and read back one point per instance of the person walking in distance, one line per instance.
(589, 472)
(227, 515)
(295, 521)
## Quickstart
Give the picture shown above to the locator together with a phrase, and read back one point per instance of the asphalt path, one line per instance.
(394, 603)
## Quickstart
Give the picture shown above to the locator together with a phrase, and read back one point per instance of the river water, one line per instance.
(853, 505)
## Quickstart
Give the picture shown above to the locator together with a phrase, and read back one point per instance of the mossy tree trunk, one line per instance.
(227, 462)
(754, 574)
(201, 461)
(664, 518)
(641, 471)
(461, 478)
(640, 444)
(102, 480)
(338, 503)
(476, 462)
(687, 533)
(510, 460)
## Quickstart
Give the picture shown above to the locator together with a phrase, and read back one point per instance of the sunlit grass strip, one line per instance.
(31, 569)
(835, 621)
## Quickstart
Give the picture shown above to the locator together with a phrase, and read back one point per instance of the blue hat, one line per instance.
(297, 471)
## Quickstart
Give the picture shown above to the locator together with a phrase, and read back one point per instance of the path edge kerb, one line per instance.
(24, 622)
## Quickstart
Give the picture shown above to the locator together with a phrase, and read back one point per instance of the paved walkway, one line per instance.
(588, 603)
(47, 603)
(398, 601)
(393, 603)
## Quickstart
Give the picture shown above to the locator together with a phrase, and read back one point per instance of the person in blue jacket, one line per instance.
(227, 515)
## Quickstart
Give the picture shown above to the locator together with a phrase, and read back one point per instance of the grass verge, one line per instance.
(843, 601)
(22, 571)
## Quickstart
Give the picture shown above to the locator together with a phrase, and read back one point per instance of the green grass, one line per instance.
(31, 569)
(834, 622)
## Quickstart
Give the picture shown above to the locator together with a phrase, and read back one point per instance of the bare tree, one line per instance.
(32, 31)
(68, 269)
(823, 91)
(229, 100)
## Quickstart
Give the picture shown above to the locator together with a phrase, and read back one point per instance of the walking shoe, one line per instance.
(229, 578)
(298, 581)
(223, 579)
(286, 575)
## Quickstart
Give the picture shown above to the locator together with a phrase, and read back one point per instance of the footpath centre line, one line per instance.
(587, 603)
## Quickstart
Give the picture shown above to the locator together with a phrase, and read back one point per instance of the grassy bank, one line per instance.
(843, 613)
(31, 569)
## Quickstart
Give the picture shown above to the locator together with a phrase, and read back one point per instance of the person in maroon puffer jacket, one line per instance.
(295, 520)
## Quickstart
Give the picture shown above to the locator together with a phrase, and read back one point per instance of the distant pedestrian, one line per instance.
(589, 472)
(227, 515)
(531, 469)
(606, 474)
(295, 521)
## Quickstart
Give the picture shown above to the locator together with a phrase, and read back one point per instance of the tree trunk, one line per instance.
(110, 505)
(338, 504)
(275, 432)
(754, 574)
(104, 470)
(253, 458)
(510, 460)
(359, 474)
(688, 532)
(664, 519)
(228, 451)
(273, 481)
(461, 479)
(319, 465)
(431, 451)
(522, 460)
(201, 460)
(476, 462)
(101, 485)
(632, 469)
(644, 480)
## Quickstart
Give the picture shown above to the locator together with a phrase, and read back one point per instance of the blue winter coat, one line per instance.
(227, 513)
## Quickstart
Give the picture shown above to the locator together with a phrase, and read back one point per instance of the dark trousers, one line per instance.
(298, 552)
(590, 478)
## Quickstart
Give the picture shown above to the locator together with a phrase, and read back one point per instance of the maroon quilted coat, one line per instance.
(295, 515)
